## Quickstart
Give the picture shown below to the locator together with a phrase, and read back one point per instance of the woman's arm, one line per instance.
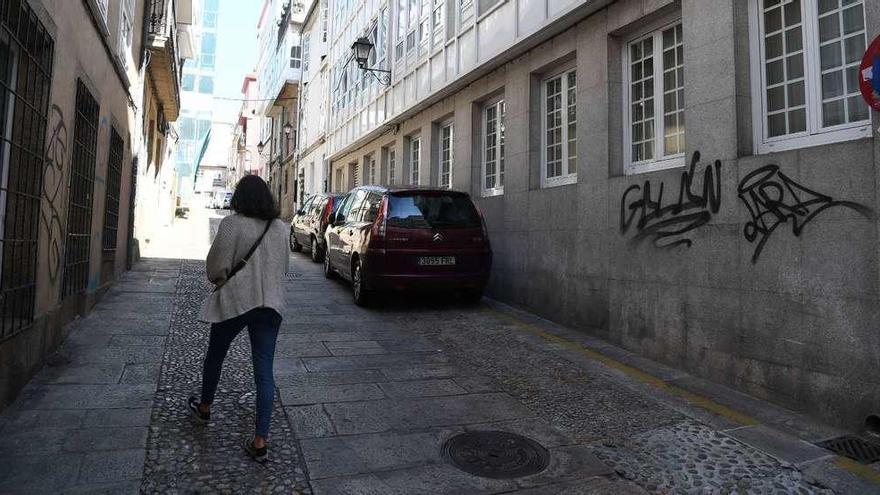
(220, 257)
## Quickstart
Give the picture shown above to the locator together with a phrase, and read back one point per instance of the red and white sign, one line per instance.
(869, 75)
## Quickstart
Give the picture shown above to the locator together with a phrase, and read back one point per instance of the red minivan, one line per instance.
(408, 238)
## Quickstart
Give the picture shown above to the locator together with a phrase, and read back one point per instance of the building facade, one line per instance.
(312, 164)
(279, 69)
(247, 158)
(693, 180)
(197, 98)
(77, 90)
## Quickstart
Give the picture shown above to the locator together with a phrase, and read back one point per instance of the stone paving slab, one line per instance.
(435, 479)
(359, 454)
(74, 396)
(327, 378)
(373, 361)
(784, 447)
(404, 414)
(323, 394)
(82, 422)
(422, 388)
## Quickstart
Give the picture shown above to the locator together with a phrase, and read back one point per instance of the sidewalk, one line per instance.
(367, 397)
(81, 425)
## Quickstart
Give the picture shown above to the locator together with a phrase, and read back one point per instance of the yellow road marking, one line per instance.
(698, 400)
(631, 371)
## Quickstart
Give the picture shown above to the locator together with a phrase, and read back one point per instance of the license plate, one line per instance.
(436, 260)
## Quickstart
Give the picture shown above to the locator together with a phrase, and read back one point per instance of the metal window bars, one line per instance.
(26, 56)
(81, 187)
(111, 204)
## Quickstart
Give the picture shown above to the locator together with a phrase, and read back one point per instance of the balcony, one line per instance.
(164, 66)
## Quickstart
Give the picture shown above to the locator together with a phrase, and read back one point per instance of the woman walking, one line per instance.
(247, 262)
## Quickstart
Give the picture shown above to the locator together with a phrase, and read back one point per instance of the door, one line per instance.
(347, 236)
(337, 223)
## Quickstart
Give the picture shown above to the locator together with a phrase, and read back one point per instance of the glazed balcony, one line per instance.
(164, 65)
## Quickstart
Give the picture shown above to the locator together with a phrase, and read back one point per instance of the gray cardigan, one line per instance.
(259, 283)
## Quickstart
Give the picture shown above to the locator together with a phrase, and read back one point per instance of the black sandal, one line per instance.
(260, 455)
(196, 413)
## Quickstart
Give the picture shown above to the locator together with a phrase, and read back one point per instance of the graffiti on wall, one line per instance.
(773, 198)
(53, 174)
(668, 225)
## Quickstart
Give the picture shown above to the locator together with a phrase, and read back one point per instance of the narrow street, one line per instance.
(368, 397)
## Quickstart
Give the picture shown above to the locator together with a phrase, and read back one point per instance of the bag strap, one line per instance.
(241, 263)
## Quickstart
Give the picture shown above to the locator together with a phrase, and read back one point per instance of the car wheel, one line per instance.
(361, 294)
(316, 251)
(328, 270)
(294, 245)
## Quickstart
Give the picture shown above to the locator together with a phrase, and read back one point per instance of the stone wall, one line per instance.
(788, 315)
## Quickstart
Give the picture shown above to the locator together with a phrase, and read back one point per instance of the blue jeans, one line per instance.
(262, 325)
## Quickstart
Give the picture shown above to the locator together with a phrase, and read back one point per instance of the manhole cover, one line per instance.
(854, 448)
(496, 454)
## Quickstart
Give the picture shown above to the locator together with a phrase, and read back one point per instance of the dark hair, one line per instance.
(252, 198)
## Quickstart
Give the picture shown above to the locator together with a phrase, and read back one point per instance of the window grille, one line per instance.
(25, 75)
(82, 183)
(111, 203)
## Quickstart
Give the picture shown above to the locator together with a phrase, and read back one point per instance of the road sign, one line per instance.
(869, 75)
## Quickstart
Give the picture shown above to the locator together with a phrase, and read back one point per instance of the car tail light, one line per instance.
(378, 230)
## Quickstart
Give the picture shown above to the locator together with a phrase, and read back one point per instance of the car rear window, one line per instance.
(431, 211)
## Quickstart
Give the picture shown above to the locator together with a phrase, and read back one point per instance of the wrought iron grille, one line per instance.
(114, 179)
(26, 55)
(111, 205)
(131, 205)
(82, 183)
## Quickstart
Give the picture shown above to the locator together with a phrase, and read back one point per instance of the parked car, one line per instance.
(408, 238)
(311, 220)
(226, 200)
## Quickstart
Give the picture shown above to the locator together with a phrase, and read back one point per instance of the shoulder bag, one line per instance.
(242, 262)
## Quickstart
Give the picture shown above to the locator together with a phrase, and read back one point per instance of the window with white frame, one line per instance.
(295, 57)
(305, 51)
(125, 31)
(654, 104)
(446, 155)
(324, 19)
(412, 25)
(415, 149)
(493, 148)
(425, 24)
(381, 37)
(401, 29)
(486, 5)
(372, 176)
(465, 12)
(559, 126)
(392, 165)
(805, 79)
(438, 21)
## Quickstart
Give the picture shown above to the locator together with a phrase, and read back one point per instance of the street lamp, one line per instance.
(260, 146)
(361, 53)
(288, 129)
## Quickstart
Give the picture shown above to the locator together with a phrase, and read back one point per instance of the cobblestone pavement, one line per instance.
(184, 458)
(367, 397)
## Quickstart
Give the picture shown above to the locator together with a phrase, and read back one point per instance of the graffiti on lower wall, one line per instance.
(53, 175)
(773, 198)
(669, 225)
